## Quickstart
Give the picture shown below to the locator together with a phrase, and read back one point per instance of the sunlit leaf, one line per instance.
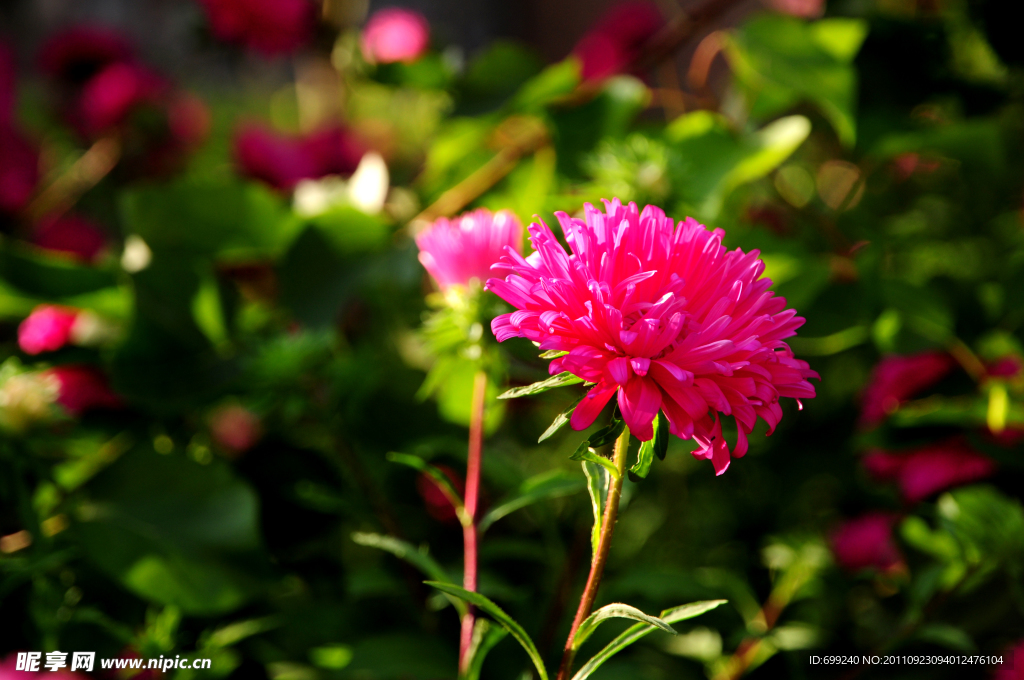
(560, 380)
(611, 611)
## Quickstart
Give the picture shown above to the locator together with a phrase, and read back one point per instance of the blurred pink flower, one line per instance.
(662, 316)
(807, 9)
(114, 93)
(71, 234)
(282, 160)
(8, 79)
(235, 428)
(75, 55)
(268, 26)
(1012, 667)
(896, 378)
(46, 329)
(1007, 367)
(83, 388)
(395, 34)
(438, 505)
(617, 38)
(459, 250)
(19, 170)
(866, 542)
(929, 469)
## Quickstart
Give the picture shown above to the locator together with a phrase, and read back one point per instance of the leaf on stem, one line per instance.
(585, 453)
(597, 486)
(503, 619)
(638, 631)
(560, 421)
(485, 636)
(611, 611)
(439, 477)
(656, 446)
(560, 380)
(417, 557)
(540, 487)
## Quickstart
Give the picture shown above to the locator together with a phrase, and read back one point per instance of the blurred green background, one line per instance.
(225, 225)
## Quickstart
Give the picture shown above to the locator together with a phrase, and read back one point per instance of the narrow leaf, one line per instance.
(485, 636)
(560, 421)
(597, 486)
(417, 557)
(660, 436)
(439, 477)
(553, 354)
(644, 459)
(560, 380)
(540, 487)
(506, 621)
(616, 610)
(584, 452)
(640, 630)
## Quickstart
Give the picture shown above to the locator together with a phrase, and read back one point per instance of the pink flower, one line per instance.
(268, 26)
(395, 34)
(896, 378)
(806, 9)
(457, 251)
(83, 388)
(664, 317)
(1009, 366)
(282, 160)
(19, 170)
(1012, 667)
(866, 542)
(47, 329)
(114, 93)
(927, 470)
(438, 505)
(235, 428)
(75, 55)
(617, 38)
(71, 234)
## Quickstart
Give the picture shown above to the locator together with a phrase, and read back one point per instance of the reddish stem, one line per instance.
(604, 542)
(469, 531)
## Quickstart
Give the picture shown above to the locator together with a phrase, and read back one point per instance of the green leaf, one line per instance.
(506, 621)
(586, 453)
(609, 433)
(560, 380)
(657, 445)
(597, 487)
(546, 485)
(559, 422)
(640, 630)
(553, 82)
(615, 610)
(439, 477)
(661, 434)
(552, 354)
(29, 270)
(485, 636)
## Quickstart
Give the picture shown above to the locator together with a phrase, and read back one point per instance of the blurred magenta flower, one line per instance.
(662, 316)
(267, 26)
(866, 542)
(459, 250)
(282, 160)
(929, 469)
(74, 56)
(19, 170)
(108, 98)
(1012, 666)
(896, 378)
(438, 505)
(1009, 366)
(71, 234)
(616, 39)
(82, 388)
(235, 428)
(46, 329)
(8, 84)
(395, 34)
(807, 9)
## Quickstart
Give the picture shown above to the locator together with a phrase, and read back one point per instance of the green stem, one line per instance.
(604, 542)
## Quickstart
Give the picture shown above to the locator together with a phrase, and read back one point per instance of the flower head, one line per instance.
(462, 249)
(71, 234)
(929, 469)
(268, 26)
(807, 9)
(19, 170)
(74, 56)
(114, 93)
(661, 316)
(866, 542)
(282, 161)
(82, 388)
(395, 34)
(46, 329)
(616, 39)
(896, 378)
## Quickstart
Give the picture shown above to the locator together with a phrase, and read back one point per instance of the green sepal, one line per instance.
(560, 421)
(562, 379)
(586, 453)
